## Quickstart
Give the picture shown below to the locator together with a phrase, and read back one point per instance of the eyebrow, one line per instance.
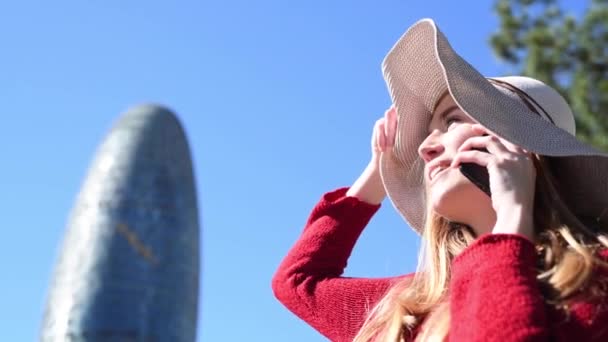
(445, 113)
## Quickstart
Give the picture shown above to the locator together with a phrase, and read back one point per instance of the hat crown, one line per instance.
(552, 103)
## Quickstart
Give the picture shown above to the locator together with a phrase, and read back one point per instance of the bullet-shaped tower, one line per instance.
(128, 269)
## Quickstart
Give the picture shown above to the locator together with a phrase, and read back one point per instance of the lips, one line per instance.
(437, 168)
(436, 171)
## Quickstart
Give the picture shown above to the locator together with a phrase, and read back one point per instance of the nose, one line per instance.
(430, 149)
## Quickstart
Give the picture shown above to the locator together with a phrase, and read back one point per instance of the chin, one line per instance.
(457, 201)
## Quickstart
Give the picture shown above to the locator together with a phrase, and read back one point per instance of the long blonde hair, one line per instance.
(567, 252)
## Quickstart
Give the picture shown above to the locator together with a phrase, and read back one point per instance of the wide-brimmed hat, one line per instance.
(422, 66)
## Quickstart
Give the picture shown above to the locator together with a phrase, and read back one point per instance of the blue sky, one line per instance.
(278, 99)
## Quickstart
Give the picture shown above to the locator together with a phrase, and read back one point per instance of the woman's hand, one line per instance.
(512, 179)
(368, 187)
(383, 134)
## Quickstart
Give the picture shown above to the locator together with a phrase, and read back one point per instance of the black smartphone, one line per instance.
(477, 174)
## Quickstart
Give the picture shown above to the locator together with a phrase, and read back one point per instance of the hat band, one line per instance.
(526, 99)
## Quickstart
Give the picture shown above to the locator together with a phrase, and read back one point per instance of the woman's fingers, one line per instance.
(488, 148)
(491, 143)
(479, 129)
(375, 137)
(381, 136)
(472, 156)
(390, 125)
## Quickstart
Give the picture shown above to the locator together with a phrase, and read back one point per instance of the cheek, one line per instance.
(459, 135)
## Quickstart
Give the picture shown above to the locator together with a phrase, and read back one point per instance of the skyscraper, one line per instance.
(128, 269)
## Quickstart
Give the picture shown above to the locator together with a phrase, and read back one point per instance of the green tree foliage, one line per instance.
(571, 54)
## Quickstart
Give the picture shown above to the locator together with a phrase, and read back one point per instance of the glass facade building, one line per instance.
(128, 268)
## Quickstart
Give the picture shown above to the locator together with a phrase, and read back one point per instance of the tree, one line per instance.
(569, 54)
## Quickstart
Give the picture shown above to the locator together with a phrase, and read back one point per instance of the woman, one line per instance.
(519, 259)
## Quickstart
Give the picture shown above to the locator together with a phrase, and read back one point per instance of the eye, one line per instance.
(451, 120)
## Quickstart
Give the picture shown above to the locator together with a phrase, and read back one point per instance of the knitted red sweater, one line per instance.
(494, 294)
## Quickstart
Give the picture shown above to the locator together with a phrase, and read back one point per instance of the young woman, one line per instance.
(513, 251)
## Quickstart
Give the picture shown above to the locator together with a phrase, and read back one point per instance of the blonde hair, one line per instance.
(566, 247)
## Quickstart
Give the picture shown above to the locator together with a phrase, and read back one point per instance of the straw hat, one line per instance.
(422, 66)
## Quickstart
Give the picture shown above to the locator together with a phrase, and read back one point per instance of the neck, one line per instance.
(482, 223)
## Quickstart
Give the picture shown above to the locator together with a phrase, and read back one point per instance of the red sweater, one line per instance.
(494, 294)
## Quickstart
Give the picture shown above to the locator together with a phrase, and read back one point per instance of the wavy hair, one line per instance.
(567, 249)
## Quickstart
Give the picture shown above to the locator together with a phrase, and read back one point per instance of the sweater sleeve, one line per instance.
(494, 294)
(309, 281)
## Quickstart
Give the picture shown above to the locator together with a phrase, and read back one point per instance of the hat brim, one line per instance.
(419, 68)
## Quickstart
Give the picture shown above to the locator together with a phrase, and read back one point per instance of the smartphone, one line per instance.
(477, 174)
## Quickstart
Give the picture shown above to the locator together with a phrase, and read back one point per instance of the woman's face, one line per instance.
(450, 193)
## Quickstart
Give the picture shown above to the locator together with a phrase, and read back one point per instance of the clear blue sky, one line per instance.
(278, 99)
